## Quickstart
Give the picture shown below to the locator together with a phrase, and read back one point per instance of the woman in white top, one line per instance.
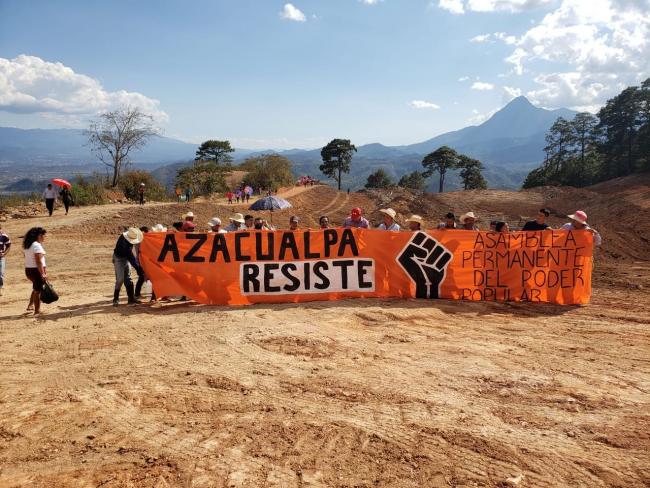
(35, 268)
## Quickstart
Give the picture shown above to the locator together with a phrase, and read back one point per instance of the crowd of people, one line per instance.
(126, 251)
(51, 196)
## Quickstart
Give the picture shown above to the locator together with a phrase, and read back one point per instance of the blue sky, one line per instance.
(267, 74)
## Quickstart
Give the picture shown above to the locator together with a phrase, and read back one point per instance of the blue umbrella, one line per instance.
(270, 203)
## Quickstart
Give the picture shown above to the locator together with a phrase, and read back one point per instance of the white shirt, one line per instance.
(30, 255)
(49, 194)
(221, 231)
(393, 227)
(597, 239)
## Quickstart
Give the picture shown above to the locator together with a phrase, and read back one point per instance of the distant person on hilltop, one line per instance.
(123, 260)
(49, 195)
(389, 220)
(66, 198)
(177, 191)
(188, 193)
(449, 223)
(5, 245)
(539, 223)
(356, 220)
(229, 197)
(141, 189)
(579, 222)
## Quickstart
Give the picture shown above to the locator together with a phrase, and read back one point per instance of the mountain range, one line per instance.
(509, 143)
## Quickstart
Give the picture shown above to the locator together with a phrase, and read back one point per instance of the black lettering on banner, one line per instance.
(268, 276)
(270, 245)
(200, 240)
(331, 237)
(307, 242)
(250, 273)
(344, 265)
(169, 246)
(307, 276)
(219, 245)
(570, 238)
(295, 282)
(288, 242)
(324, 280)
(362, 271)
(238, 238)
(347, 240)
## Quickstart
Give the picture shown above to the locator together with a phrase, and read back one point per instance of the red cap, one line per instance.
(356, 211)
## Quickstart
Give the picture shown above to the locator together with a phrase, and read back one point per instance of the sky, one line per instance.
(269, 74)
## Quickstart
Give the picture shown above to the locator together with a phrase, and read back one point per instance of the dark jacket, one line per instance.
(124, 250)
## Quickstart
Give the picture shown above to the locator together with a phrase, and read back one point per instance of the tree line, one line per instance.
(337, 158)
(592, 148)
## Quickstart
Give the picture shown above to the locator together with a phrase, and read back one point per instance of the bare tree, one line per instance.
(115, 134)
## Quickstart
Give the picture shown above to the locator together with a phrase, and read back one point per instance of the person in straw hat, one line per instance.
(415, 223)
(579, 222)
(389, 220)
(236, 223)
(468, 221)
(188, 222)
(123, 260)
(215, 226)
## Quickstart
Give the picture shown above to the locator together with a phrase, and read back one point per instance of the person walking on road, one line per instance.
(66, 198)
(141, 193)
(35, 268)
(123, 260)
(49, 195)
(5, 245)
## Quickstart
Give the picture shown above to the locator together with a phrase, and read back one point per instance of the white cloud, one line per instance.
(482, 86)
(599, 45)
(371, 2)
(509, 93)
(290, 12)
(463, 78)
(478, 118)
(30, 85)
(423, 104)
(500, 36)
(453, 6)
(480, 38)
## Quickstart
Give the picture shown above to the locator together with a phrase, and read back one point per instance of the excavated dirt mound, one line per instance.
(356, 393)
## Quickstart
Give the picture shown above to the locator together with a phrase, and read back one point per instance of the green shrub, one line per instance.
(18, 199)
(129, 183)
(268, 171)
(89, 190)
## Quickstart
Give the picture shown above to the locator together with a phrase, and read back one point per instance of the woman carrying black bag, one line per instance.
(35, 268)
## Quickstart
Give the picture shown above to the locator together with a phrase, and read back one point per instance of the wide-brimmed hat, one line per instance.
(388, 211)
(415, 218)
(133, 235)
(468, 215)
(579, 216)
(188, 215)
(141, 184)
(239, 218)
(214, 221)
(159, 228)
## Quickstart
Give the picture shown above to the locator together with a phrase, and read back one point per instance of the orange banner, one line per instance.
(274, 267)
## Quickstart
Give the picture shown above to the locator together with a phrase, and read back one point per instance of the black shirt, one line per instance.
(533, 225)
(124, 250)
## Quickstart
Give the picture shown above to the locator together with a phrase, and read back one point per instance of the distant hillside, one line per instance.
(510, 144)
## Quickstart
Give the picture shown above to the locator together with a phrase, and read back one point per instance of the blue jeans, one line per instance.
(2, 272)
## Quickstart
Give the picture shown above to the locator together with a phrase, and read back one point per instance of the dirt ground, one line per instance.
(357, 393)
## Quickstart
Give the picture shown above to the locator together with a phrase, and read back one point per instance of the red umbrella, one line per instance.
(61, 183)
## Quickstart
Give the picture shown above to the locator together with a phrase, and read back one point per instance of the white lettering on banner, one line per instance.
(324, 276)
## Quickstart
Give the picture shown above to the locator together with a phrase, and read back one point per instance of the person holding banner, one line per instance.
(469, 221)
(123, 260)
(236, 223)
(324, 222)
(449, 223)
(502, 227)
(215, 226)
(579, 222)
(389, 220)
(294, 220)
(539, 223)
(188, 222)
(415, 223)
(356, 220)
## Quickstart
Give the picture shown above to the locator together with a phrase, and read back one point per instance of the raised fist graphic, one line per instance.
(425, 260)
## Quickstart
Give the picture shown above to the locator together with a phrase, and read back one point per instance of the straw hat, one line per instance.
(188, 215)
(239, 218)
(580, 216)
(133, 235)
(389, 211)
(159, 228)
(214, 221)
(415, 218)
(468, 215)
